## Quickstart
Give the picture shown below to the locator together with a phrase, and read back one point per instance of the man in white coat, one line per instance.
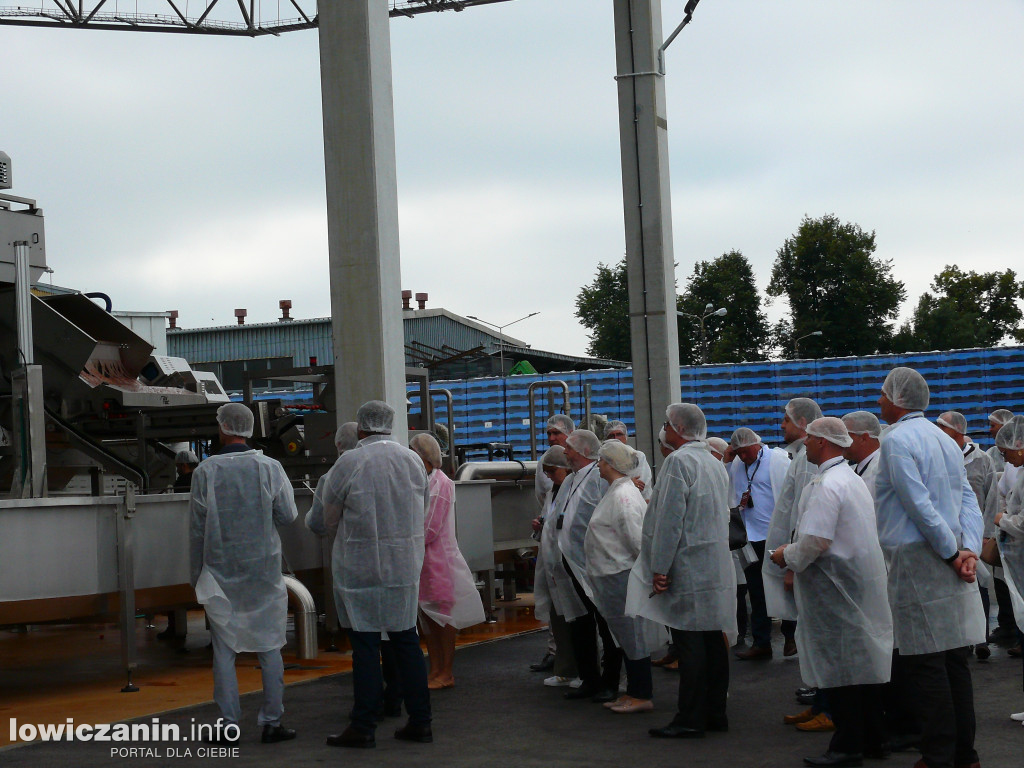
(845, 629)
(238, 497)
(375, 498)
(930, 527)
(644, 479)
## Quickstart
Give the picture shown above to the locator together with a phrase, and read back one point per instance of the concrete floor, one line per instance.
(500, 714)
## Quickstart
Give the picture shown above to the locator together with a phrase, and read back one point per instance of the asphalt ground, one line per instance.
(499, 714)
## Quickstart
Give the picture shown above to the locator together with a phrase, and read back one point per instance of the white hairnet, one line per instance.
(185, 457)
(1011, 436)
(615, 426)
(862, 423)
(832, 429)
(426, 445)
(954, 420)
(346, 437)
(584, 442)
(621, 457)
(687, 420)
(662, 439)
(744, 437)
(555, 457)
(906, 389)
(803, 409)
(1000, 416)
(375, 417)
(718, 445)
(235, 419)
(562, 423)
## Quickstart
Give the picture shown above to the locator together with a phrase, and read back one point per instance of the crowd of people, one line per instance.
(867, 543)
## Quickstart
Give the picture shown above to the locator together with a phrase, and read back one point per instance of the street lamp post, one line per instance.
(501, 363)
(796, 342)
(709, 312)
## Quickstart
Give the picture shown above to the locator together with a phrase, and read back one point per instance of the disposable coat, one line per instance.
(553, 590)
(686, 537)
(237, 499)
(984, 482)
(926, 512)
(645, 475)
(1011, 547)
(376, 498)
(585, 492)
(845, 628)
(448, 593)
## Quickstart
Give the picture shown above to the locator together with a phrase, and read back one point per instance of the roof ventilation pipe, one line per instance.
(240, 314)
(421, 299)
(406, 301)
(286, 308)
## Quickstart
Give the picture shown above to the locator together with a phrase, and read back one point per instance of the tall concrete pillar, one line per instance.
(643, 136)
(362, 207)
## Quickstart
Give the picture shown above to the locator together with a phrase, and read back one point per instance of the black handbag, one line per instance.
(737, 530)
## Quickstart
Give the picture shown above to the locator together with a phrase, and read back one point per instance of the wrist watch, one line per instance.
(952, 558)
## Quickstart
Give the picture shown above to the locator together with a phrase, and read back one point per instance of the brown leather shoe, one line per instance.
(789, 648)
(803, 717)
(819, 723)
(754, 654)
(665, 660)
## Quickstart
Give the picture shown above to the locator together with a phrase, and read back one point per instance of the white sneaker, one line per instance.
(1019, 717)
(556, 681)
(576, 683)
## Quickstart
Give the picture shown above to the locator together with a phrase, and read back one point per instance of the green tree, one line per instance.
(967, 309)
(603, 308)
(742, 334)
(834, 284)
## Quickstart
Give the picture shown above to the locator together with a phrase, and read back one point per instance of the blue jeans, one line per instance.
(368, 684)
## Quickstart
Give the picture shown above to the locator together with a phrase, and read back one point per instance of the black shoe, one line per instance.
(275, 733)
(806, 691)
(420, 733)
(880, 752)
(352, 737)
(807, 699)
(836, 758)
(583, 692)
(220, 741)
(545, 664)
(1002, 634)
(675, 731)
(605, 694)
(905, 742)
(718, 725)
(756, 653)
(982, 651)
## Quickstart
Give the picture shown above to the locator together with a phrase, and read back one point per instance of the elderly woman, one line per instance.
(1010, 524)
(612, 544)
(448, 597)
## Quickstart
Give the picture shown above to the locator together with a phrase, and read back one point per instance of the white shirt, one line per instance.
(758, 475)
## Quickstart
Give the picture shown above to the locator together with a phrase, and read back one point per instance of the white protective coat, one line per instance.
(1011, 547)
(552, 588)
(585, 493)
(376, 497)
(926, 511)
(686, 537)
(645, 475)
(845, 628)
(237, 500)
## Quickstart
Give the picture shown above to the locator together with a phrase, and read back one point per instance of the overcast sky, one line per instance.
(186, 172)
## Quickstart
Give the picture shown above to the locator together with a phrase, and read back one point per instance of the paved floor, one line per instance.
(500, 714)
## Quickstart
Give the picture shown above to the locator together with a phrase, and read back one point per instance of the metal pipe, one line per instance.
(304, 611)
(532, 397)
(450, 402)
(497, 470)
(23, 288)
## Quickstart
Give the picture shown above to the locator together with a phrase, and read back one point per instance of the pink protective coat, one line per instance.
(448, 593)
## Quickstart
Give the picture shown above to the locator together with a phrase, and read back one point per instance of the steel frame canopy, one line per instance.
(246, 18)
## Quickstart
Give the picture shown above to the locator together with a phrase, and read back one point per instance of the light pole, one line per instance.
(709, 312)
(796, 342)
(501, 359)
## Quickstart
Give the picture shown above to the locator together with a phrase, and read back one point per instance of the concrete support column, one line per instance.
(643, 132)
(362, 207)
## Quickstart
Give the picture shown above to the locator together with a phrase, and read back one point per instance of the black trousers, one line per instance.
(857, 713)
(639, 684)
(941, 683)
(1004, 618)
(703, 679)
(584, 645)
(741, 611)
(368, 683)
(760, 623)
(901, 716)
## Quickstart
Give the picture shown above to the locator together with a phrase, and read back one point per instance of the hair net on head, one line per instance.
(1011, 436)
(954, 420)
(375, 417)
(426, 445)
(687, 420)
(1000, 416)
(614, 427)
(235, 419)
(663, 440)
(862, 423)
(440, 432)
(346, 437)
(907, 389)
(619, 457)
(718, 445)
(185, 457)
(562, 423)
(555, 457)
(744, 437)
(832, 429)
(584, 442)
(803, 409)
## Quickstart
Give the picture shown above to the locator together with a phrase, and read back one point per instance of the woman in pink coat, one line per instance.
(449, 600)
